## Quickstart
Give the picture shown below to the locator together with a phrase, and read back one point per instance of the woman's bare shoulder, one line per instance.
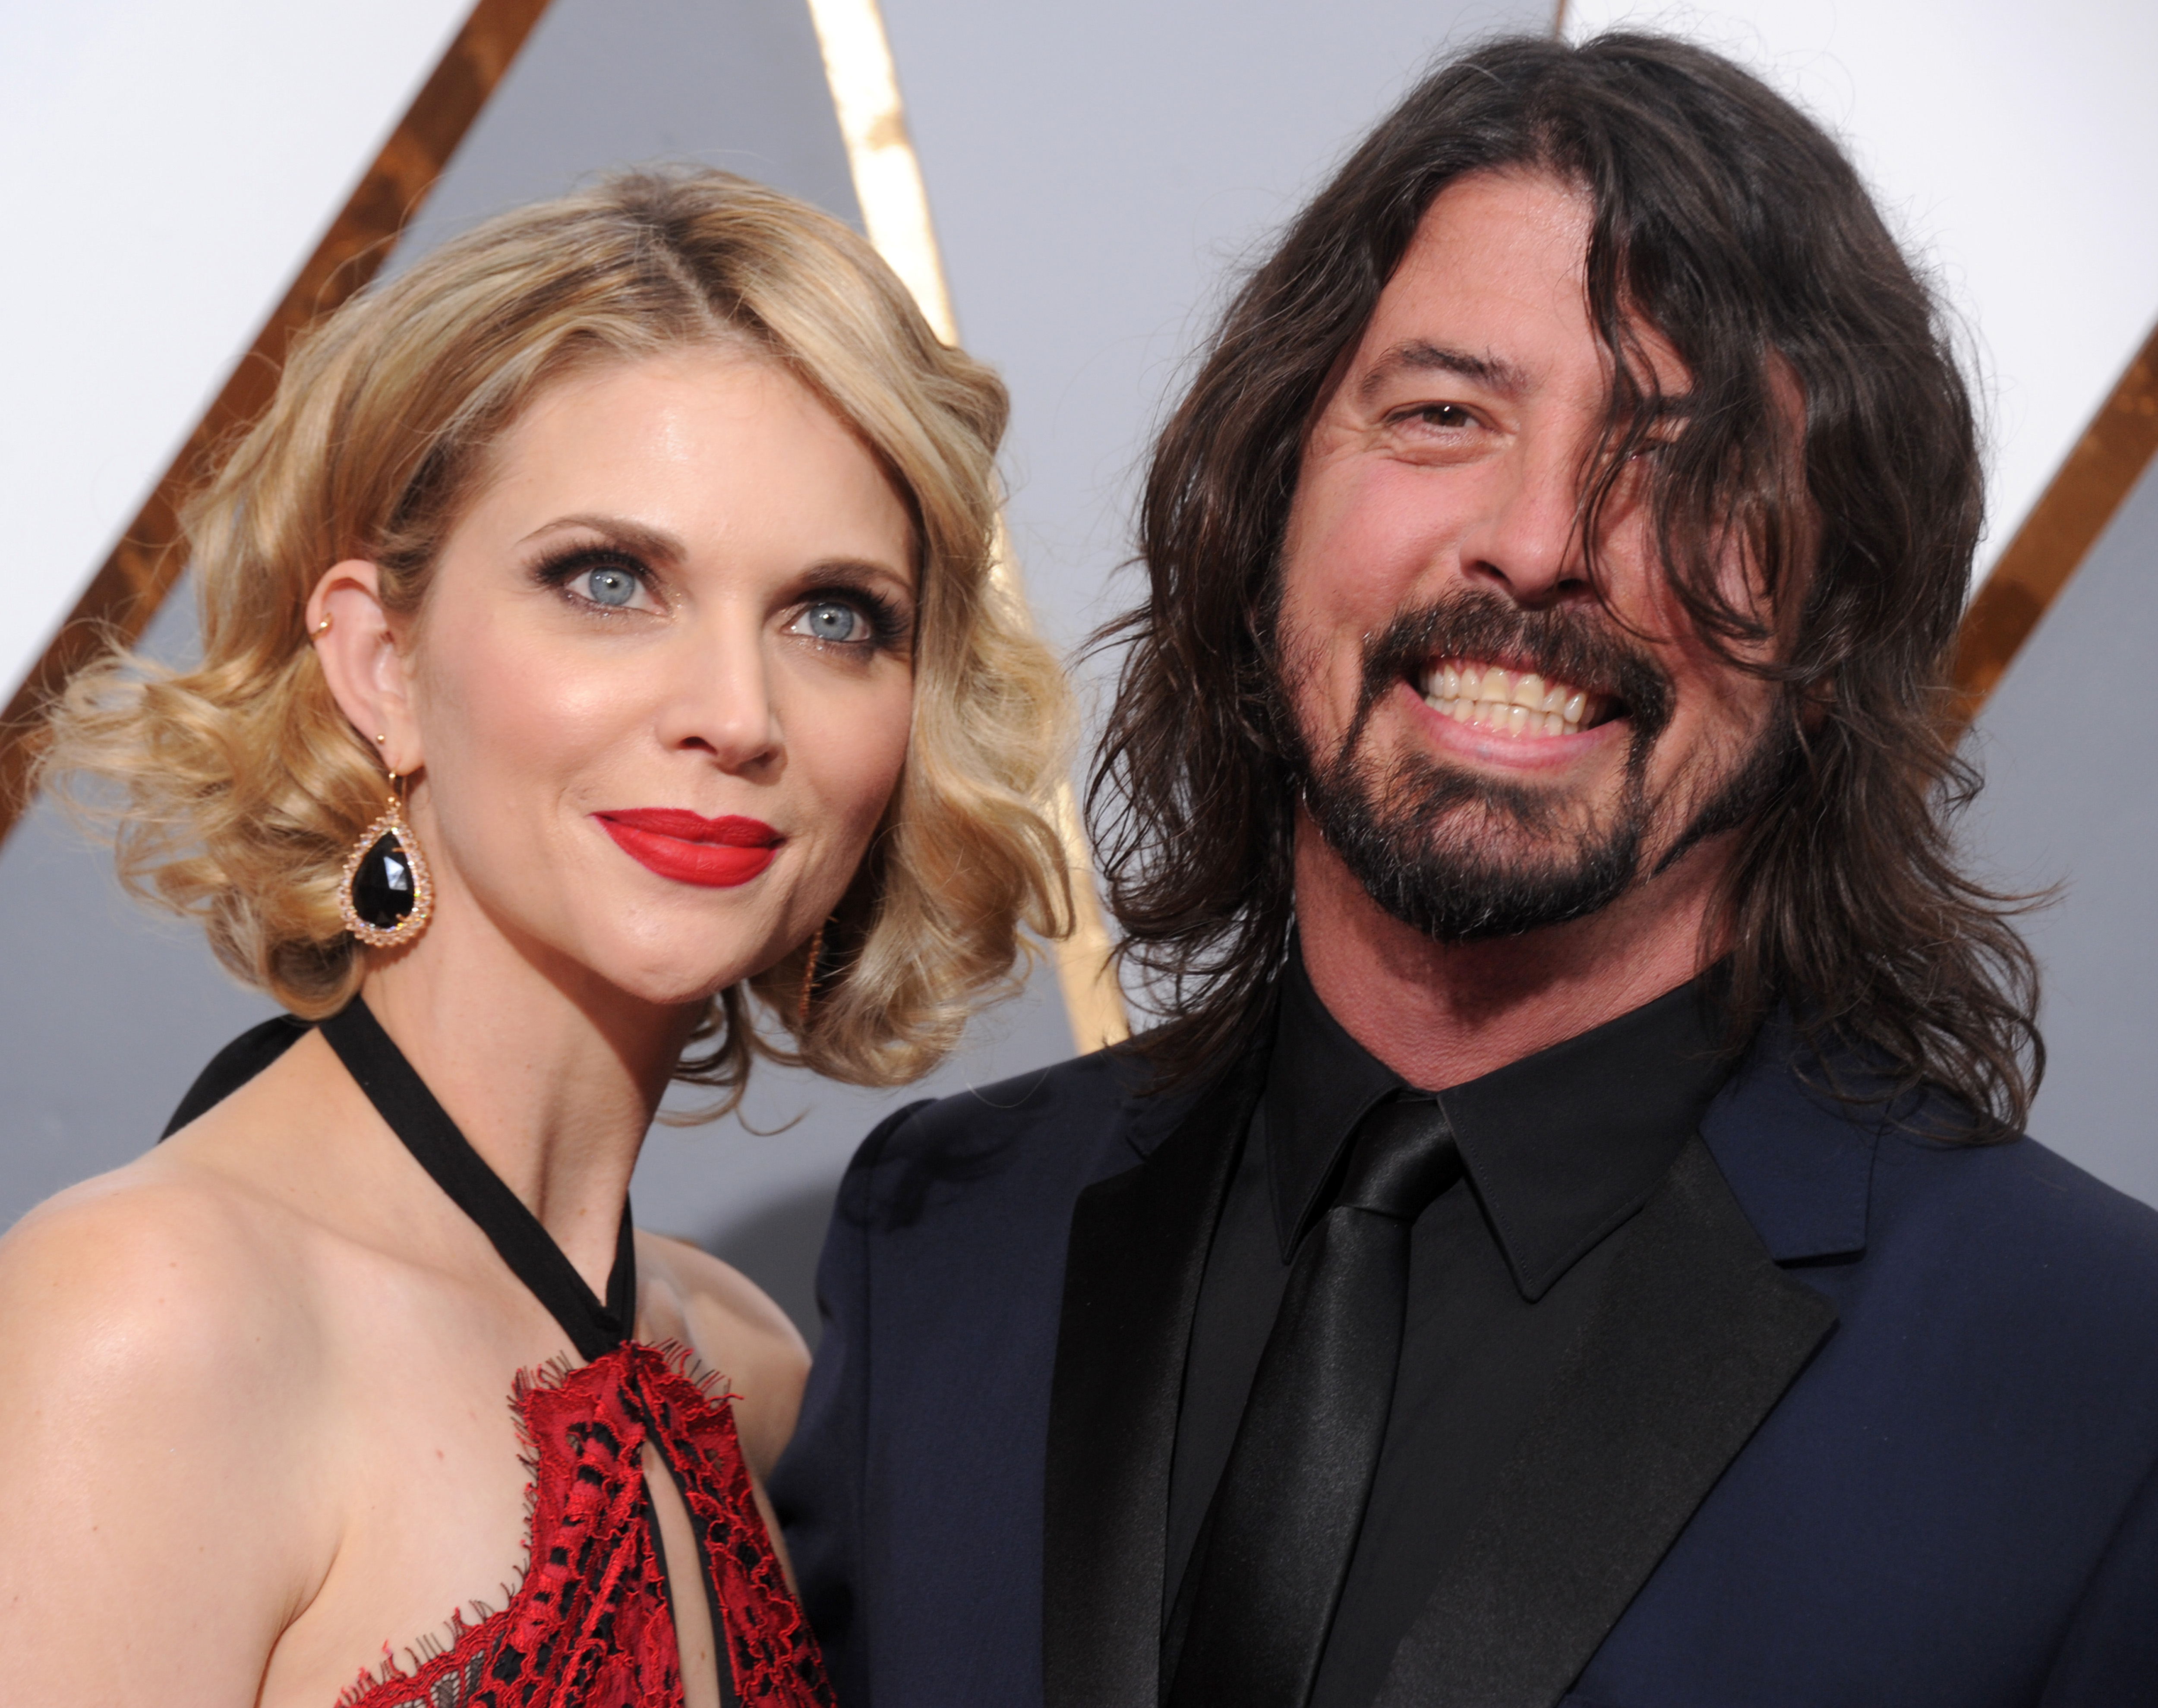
(154, 1387)
(736, 1328)
(157, 1273)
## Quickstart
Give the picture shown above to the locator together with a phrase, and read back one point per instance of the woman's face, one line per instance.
(661, 681)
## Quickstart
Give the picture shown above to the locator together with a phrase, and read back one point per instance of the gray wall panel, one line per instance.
(107, 1012)
(2070, 803)
(737, 84)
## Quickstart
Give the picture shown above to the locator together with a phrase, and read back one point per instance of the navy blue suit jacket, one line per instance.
(1861, 1419)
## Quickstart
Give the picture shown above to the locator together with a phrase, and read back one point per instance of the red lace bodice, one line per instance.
(589, 1625)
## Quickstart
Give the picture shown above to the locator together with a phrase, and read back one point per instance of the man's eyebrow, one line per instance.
(1419, 356)
(632, 536)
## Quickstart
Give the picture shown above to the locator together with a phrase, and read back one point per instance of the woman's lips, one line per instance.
(690, 849)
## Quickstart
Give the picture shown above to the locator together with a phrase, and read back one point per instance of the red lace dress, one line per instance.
(588, 1626)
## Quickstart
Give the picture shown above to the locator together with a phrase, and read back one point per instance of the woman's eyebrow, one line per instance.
(861, 570)
(638, 537)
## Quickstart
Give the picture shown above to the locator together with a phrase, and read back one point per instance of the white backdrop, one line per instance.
(169, 165)
(2015, 148)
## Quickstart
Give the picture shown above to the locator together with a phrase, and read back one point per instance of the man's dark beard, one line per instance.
(1413, 836)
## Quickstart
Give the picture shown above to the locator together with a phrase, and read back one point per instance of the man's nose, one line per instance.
(1524, 541)
(718, 697)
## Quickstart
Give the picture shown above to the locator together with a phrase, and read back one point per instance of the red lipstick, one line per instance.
(716, 853)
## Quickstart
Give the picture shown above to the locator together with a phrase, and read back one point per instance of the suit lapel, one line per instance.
(1131, 1282)
(1696, 1337)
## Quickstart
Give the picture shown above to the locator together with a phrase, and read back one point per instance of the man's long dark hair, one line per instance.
(1730, 223)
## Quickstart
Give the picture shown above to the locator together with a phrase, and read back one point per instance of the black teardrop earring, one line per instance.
(385, 895)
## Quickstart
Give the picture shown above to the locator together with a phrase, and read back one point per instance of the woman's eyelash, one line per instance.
(888, 626)
(559, 568)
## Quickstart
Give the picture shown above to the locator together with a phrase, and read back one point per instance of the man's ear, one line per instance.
(1816, 700)
(367, 674)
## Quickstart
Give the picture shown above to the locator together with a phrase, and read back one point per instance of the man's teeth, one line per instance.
(1506, 702)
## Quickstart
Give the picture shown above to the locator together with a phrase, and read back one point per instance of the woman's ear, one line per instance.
(367, 674)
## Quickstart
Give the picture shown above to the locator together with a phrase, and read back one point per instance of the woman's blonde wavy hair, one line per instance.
(233, 791)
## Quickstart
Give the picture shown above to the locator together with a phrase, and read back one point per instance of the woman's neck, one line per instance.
(552, 1075)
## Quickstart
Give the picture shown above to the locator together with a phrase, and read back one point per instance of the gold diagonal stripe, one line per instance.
(2095, 479)
(894, 204)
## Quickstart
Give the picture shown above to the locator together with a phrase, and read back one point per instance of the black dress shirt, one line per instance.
(1560, 1149)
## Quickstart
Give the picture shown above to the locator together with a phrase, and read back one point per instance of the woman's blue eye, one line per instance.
(829, 620)
(615, 588)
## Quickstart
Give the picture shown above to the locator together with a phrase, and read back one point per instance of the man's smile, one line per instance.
(1520, 703)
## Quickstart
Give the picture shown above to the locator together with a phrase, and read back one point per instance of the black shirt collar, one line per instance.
(1562, 1146)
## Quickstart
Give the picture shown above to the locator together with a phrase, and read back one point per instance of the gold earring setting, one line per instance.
(810, 968)
(385, 895)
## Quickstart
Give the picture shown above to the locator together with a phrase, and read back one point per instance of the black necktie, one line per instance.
(1283, 1522)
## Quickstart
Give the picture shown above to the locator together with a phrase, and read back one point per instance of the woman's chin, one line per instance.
(658, 968)
(673, 989)
(674, 981)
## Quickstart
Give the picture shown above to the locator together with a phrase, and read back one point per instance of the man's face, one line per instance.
(1489, 745)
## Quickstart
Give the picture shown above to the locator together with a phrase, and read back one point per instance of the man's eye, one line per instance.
(1448, 415)
(830, 619)
(610, 586)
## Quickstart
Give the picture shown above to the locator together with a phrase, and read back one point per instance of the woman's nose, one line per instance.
(718, 697)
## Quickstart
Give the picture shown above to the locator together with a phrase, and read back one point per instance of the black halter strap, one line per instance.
(401, 1097)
